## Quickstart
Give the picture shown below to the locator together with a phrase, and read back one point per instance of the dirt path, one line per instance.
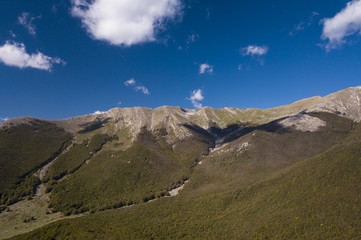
(175, 191)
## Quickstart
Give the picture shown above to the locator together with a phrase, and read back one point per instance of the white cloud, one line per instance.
(4, 119)
(255, 50)
(197, 104)
(14, 54)
(240, 67)
(27, 21)
(345, 23)
(125, 22)
(196, 98)
(205, 68)
(142, 89)
(119, 103)
(97, 112)
(130, 82)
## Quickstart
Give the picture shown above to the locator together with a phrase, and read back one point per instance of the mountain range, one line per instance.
(290, 172)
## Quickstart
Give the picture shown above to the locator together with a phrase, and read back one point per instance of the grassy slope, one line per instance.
(316, 198)
(274, 147)
(23, 149)
(111, 179)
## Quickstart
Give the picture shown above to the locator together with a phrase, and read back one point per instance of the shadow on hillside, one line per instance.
(197, 129)
(235, 131)
(93, 125)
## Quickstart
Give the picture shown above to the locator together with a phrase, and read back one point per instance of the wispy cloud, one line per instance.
(26, 20)
(196, 97)
(345, 23)
(14, 54)
(253, 50)
(125, 22)
(192, 38)
(142, 89)
(245, 67)
(208, 14)
(301, 26)
(12, 34)
(132, 82)
(205, 68)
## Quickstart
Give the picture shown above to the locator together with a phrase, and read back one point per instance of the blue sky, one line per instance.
(64, 58)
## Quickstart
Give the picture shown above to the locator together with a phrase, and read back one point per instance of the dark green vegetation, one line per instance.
(287, 185)
(71, 160)
(24, 149)
(110, 179)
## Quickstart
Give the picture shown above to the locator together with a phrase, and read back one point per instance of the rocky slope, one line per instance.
(345, 103)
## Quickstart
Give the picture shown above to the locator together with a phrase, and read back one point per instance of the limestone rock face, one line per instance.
(345, 102)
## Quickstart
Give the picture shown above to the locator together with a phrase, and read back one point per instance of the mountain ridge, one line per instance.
(97, 164)
(344, 103)
(311, 104)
